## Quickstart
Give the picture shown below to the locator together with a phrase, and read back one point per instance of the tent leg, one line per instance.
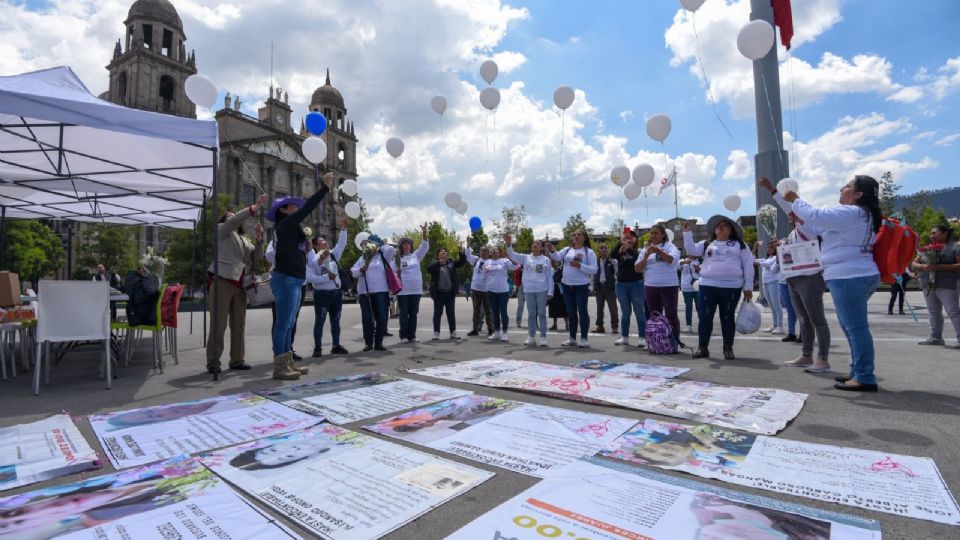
(213, 234)
(3, 236)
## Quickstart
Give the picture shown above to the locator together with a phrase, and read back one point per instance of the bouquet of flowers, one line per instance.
(767, 218)
(930, 254)
(154, 264)
(308, 232)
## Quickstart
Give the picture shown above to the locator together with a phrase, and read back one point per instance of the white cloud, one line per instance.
(508, 61)
(626, 115)
(948, 78)
(216, 17)
(739, 167)
(948, 140)
(907, 94)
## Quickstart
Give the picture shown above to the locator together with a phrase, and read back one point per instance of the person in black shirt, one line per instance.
(629, 287)
(604, 282)
(290, 272)
(443, 289)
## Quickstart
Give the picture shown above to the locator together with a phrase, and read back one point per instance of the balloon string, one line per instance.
(795, 166)
(773, 124)
(703, 71)
(486, 130)
(563, 116)
(494, 132)
(396, 174)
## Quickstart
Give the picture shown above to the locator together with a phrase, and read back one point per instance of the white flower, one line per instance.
(308, 232)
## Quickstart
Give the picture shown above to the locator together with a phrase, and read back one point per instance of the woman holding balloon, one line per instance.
(537, 288)
(497, 270)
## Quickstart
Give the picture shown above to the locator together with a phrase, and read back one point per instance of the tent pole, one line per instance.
(3, 236)
(203, 247)
(193, 271)
(216, 245)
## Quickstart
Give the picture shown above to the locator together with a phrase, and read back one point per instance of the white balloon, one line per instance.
(394, 147)
(755, 39)
(643, 175)
(462, 209)
(360, 239)
(489, 71)
(349, 188)
(731, 202)
(352, 209)
(620, 175)
(670, 235)
(563, 97)
(632, 191)
(659, 126)
(490, 98)
(691, 5)
(452, 199)
(438, 104)
(787, 185)
(314, 149)
(201, 90)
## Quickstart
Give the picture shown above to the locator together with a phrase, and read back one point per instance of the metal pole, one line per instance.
(203, 246)
(193, 271)
(216, 244)
(771, 159)
(3, 237)
(69, 250)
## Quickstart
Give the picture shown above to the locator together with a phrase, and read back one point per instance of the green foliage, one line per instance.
(478, 238)
(512, 220)
(616, 228)
(439, 237)
(929, 218)
(33, 249)
(523, 242)
(889, 190)
(113, 246)
(574, 223)
(185, 249)
(749, 236)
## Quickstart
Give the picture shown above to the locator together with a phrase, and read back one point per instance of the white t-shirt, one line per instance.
(537, 271)
(477, 281)
(496, 272)
(317, 276)
(659, 273)
(726, 264)
(769, 270)
(848, 238)
(688, 274)
(577, 276)
(802, 232)
(411, 276)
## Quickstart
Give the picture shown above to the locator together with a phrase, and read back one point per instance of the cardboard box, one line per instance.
(9, 289)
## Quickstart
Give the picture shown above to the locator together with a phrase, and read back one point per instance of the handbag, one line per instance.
(393, 282)
(257, 287)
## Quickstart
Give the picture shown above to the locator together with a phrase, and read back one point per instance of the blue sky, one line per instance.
(876, 83)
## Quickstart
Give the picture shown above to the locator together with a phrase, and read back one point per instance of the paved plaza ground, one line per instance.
(916, 412)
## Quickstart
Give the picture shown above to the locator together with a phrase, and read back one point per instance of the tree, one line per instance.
(479, 238)
(574, 223)
(616, 228)
(512, 220)
(111, 245)
(889, 190)
(523, 242)
(750, 236)
(33, 249)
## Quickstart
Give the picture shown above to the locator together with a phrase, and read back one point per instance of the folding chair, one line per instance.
(169, 306)
(134, 334)
(71, 311)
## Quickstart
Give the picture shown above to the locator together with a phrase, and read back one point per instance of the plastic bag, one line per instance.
(748, 318)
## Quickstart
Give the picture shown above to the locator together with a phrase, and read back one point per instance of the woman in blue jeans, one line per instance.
(497, 275)
(579, 266)
(629, 287)
(323, 273)
(373, 290)
(290, 272)
(849, 232)
(537, 288)
(411, 278)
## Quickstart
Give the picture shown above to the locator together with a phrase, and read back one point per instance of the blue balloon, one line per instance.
(316, 123)
(475, 224)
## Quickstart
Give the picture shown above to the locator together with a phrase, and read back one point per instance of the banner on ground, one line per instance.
(895, 484)
(341, 484)
(141, 436)
(42, 450)
(526, 438)
(348, 399)
(757, 410)
(178, 498)
(631, 369)
(593, 499)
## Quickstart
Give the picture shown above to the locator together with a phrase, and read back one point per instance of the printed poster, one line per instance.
(522, 437)
(42, 450)
(178, 498)
(798, 257)
(348, 399)
(597, 500)
(141, 436)
(341, 484)
(891, 483)
(631, 369)
(757, 410)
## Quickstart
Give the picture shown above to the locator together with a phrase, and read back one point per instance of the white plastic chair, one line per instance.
(72, 311)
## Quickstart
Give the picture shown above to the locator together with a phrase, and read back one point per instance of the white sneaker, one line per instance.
(569, 343)
(542, 341)
(402, 341)
(643, 343)
(777, 330)
(528, 341)
(770, 330)
(436, 336)
(689, 329)
(494, 336)
(622, 341)
(453, 335)
(583, 343)
(503, 337)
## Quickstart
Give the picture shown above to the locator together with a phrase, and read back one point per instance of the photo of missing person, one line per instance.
(675, 445)
(286, 451)
(438, 421)
(324, 387)
(155, 415)
(722, 519)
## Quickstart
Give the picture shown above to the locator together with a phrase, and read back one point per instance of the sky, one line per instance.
(868, 86)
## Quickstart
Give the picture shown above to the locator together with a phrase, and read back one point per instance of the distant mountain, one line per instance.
(947, 199)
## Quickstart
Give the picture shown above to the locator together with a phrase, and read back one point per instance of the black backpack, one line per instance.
(142, 305)
(346, 278)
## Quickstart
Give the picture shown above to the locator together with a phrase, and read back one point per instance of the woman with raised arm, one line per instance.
(323, 273)
(443, 289)
(727, 270)
(290, 273)
(579, 265)
(497, 270)
(537, 288)
(478, 292)
(411, 279)
(373, 290)
(849, 232)
(770, 283)
(630, 291)
(659, 261)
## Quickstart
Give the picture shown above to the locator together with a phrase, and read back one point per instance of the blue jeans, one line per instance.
(327, 302)
(691, 300)
(536, 313)
(286, 291)
(773, 293)
(850, 298)
(498, 307)
(409, 309)
(441, 301)
(711, 299)
(575, 297)
(374, 311)
(631, 298)
(787, 303)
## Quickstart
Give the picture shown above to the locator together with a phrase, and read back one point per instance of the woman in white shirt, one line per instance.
(727, 270)
(689, 273)
(579, 266)
(537, 288)
(849, 232)
(411, 279)
(373, 293)
(496, 271)
(770, 281)
(659, 261)
(323, 273)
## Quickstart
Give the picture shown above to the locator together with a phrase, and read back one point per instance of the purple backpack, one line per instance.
(659, 335)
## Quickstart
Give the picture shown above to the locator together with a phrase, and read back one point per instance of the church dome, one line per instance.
(328, 95)
(161, 10)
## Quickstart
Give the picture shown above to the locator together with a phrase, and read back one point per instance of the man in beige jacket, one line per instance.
(235, 254)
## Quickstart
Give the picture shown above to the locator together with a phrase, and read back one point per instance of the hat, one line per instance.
(281, 202)
(374, 239)
(719, 218)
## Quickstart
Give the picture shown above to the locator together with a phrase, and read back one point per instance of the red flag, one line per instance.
(783, 17)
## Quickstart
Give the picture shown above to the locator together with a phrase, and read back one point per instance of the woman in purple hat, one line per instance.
(290, 272)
